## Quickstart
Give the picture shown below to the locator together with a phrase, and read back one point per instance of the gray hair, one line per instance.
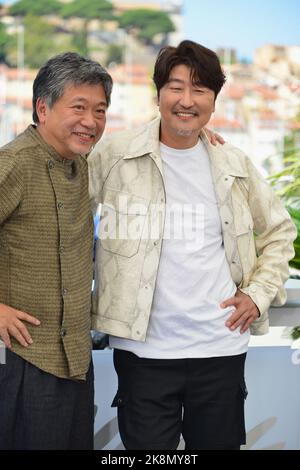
(66, 69)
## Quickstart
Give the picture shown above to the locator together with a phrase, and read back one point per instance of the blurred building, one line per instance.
(133, 101)
(280, 61)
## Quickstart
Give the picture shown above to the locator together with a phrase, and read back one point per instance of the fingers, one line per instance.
(246, 325)
(219, 138)
(19, 332)
(233, 301)
(211, 136)
(11, 325)
(29, 318)
(213, 139)
(245, 313)
(23, 332)
(243, 319)
(16, 333)
(236, 319)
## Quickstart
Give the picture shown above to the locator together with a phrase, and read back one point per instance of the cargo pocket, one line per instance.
(127, 429)
(119, 401)
(243, 389)
(241, 415)
(122, 222)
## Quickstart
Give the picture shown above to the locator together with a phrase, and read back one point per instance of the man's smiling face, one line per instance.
(185, 108)
(76, 121)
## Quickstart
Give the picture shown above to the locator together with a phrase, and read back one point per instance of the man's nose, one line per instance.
(186, 99)
(88, 120)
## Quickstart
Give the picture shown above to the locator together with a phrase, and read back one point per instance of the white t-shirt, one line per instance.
(193, 277)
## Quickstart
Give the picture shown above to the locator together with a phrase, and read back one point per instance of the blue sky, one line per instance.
(241, 24)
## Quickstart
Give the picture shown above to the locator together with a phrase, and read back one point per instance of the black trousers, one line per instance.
(160, 399)
(42, 412)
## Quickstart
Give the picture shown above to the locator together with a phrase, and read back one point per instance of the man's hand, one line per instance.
(213, 137)
(246, 311)
(11, 324)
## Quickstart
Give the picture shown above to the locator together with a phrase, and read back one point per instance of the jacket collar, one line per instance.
(145, 141)
(224, 160)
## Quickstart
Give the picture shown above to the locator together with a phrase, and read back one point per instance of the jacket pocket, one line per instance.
(244, 225)
(119, 400)
(243, 389)
(122, 222)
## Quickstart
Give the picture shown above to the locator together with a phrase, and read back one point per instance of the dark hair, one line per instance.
(65, 69)
(204, 64)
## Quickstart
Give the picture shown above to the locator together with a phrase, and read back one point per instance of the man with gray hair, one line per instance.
(46, 239)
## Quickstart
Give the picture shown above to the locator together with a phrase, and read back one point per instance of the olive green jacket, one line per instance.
(46, 236)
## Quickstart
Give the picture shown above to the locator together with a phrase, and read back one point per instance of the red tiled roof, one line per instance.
(266, 92)
(235, 92)
(268, 115)
(135, 74)
(15, 74)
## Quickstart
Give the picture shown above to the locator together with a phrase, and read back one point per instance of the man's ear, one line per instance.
(41, 110)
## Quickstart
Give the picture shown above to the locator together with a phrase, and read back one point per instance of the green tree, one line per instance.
(87, 10)
(35, 7)
(287, 183)
(147, 23)
(41, 42)
(114, 54)
(4, 42)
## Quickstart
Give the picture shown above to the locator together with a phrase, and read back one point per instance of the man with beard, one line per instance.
(180, 277)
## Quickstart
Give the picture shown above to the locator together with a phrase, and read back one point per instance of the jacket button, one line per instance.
(64, 291)
(61, 249)
(60, 205)
(50, 164)
(63, 332)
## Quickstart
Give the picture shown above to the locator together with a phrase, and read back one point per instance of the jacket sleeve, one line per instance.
(274, 235)
(11, 184)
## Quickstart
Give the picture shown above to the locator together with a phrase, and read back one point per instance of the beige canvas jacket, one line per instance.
(127, 167)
